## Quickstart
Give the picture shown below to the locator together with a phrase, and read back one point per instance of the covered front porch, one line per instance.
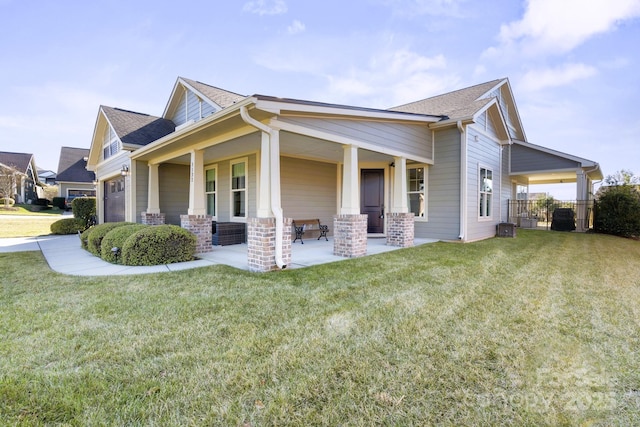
(246, 165)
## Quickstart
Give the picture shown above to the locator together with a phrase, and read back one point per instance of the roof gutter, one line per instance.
(274, 178)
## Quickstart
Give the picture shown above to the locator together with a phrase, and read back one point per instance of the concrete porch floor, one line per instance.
(312, 252)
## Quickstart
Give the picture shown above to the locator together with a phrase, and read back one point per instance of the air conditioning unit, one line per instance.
(506, 229)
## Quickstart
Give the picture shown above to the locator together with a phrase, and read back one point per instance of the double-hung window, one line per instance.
(416, 196)
(239, 189)
(211, 178)
(486, 193)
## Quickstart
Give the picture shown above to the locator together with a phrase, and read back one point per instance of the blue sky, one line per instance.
(574, 65)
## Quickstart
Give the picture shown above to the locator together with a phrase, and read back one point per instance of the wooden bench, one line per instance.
(302, 226)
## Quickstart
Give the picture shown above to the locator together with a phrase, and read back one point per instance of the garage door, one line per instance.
(114, 200)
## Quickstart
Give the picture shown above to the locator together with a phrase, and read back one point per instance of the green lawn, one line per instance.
(543, 329)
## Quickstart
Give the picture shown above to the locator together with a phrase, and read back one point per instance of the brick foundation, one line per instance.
(261, 244)
(152, 218)
(200, 225)
(400, 229)
(350, 235)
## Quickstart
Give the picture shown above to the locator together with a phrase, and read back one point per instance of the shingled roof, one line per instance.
(456, 105)
(18, 161)
(137, 128)
(221, 97)
(72, 166)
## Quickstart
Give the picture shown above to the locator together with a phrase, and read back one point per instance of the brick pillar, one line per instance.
(261, 244)
(400, 229)
(200, 225)
(350, 235)
(152, 218)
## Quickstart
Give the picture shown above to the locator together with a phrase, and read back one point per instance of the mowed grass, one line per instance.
(27, 226)
(543, 329)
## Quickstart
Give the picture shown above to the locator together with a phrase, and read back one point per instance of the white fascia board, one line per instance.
(277, 107)
(503, 122)
(168, 139)
(173, 94)
(500, 83)
(200, 95)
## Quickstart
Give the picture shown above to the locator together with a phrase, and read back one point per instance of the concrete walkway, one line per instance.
(65, 255)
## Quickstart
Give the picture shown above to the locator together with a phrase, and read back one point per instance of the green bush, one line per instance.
(84, 208)
(59, 202)
(3, 200)
(116, 238)
(84, 237)
(41, 202)
(160, 244)
(617, 211)
(94, 238)
(67, 226)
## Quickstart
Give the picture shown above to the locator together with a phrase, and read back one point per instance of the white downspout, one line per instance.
(463, 181)
(276, 208)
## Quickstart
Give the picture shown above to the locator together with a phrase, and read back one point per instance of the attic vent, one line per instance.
(185, 124)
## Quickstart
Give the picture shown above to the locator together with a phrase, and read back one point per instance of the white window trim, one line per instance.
(244, 160)
(425, 190)
(206, 193)
(479, 192)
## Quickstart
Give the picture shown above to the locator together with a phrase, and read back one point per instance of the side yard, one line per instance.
(543, 329)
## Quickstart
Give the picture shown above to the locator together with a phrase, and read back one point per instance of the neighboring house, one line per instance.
(47, 177)
(73, 178)
(443, 168)
(26, 186)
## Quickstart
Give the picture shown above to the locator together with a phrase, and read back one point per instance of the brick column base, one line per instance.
(261, 244)
(200, 225)
(152, 218)
(350, 235)
(400, 229)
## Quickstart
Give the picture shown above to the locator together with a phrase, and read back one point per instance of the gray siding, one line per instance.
(412, 139)
(174, 191)
(525, 159)
(142, 189)
(482, 153)
(443, 207)
(224, 188)
(180, 116)
(309, 190)
(191, 107)
(506, 185)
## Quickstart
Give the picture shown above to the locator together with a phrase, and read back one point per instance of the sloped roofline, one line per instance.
(584, 163)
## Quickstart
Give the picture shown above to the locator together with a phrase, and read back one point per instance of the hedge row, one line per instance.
(137, 244)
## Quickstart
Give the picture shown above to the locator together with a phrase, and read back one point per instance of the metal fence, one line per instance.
(539, 213)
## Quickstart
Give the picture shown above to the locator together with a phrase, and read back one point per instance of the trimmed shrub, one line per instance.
(116, 238)
(160, 244)
(84, 237)
(94, 239)
(617, 211)
(67, 226)
(85, 209)
(59, 202)
(3, 200)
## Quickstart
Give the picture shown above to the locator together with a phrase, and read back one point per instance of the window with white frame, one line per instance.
(239, 189)
(416, 184)
(486, 192)
(210, 188)
(110, 143)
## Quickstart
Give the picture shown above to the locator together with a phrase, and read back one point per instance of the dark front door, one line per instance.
(372, 198)
(114, 200)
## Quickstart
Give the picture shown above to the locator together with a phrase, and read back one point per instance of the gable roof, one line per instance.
(72, 166)
(136, 128)
(17, 161)
(216, 97)
(458, 104)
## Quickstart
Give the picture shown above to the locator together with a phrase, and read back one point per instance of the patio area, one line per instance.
(312, 252)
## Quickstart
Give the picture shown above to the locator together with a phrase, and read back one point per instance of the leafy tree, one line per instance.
(622, 177)
(8, 181)
(617, 211)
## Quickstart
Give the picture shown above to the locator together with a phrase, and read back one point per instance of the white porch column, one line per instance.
(350, 189)
(399, 203)
(264, 195)
(153, 196)
(196, 184)
(582, 195)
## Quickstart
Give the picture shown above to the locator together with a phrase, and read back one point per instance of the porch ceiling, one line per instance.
(557, 177)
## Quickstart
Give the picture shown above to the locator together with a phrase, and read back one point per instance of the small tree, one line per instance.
(622, 177)
(8, 182)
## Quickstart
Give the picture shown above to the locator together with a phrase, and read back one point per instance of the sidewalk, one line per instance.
(64, 255)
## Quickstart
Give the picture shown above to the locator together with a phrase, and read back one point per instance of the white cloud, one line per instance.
(551, 26)
(296, 27)
(552, 77)
(265, 7)
(411, 8)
